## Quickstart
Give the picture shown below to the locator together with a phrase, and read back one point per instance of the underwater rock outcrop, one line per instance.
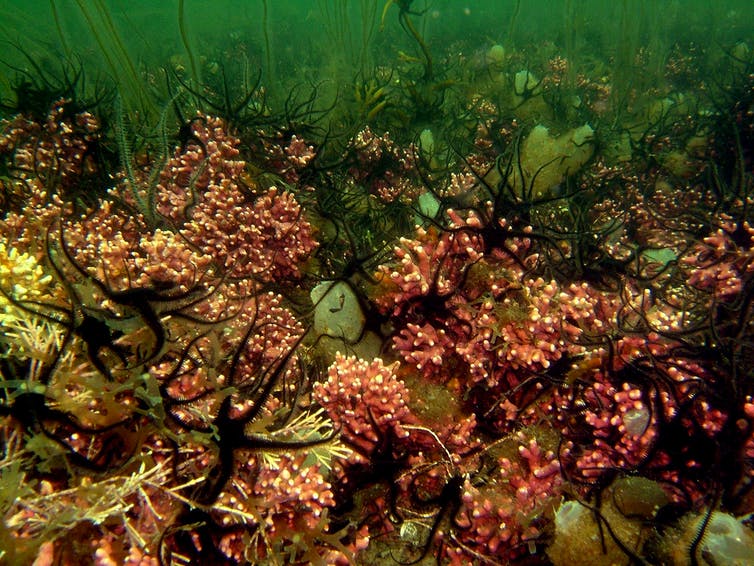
(543, 161)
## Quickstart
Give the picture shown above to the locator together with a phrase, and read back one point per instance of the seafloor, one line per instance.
(476, 305)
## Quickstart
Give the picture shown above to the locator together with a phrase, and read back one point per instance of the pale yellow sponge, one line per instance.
(25, 289)
(22, 278)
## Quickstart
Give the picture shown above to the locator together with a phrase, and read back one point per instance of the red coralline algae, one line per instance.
(158, 292)
(460, 301)
(387, 169)
(286, 155)
(200, 193)
(284, 501)
(367, 401)
(722, 260)
(166, 394)
(623, 429)
(505, 522)
(56, 149)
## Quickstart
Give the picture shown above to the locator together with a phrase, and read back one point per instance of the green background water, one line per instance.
(333, 40)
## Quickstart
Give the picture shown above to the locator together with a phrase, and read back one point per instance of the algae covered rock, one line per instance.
(543, 161)
(726, 540)
(627, 506)
(337, 312)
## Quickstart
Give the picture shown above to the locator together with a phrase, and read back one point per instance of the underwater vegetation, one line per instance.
(385, 300)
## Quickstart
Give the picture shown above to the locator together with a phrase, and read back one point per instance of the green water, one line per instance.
(331, 43)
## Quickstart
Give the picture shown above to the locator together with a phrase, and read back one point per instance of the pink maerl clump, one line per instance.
(264, 235)
(504, 519)
(367, 401)
(721, 262)
(457, 304)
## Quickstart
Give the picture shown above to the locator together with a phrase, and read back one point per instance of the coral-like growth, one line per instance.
(367, 402)
(554, 323)
(138, 337)
(201, 196)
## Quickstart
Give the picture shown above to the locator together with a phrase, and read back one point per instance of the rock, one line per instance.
(337, 312)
